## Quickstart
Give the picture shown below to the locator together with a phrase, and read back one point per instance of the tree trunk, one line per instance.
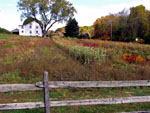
(44, 33)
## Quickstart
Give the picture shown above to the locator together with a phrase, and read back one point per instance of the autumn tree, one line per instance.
(101, 27)
(125, 26)
(46, 12)
(104, 26)
(86, 30)
(72, 28)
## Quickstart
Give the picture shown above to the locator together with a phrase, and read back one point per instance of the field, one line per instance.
(24, 59)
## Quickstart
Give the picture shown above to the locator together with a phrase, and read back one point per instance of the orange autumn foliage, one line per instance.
(133, 58)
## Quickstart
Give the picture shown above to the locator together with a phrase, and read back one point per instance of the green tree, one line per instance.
(46, 12)
(72, 28)
(138, 21)
(147, 36)
(120, 33)
(148, 15)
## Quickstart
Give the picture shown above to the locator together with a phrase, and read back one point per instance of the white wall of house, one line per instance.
(31, 29)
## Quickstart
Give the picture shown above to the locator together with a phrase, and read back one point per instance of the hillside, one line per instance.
(24, 59)
(2, 30)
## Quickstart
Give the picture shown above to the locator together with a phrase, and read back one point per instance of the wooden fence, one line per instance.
(71, 84)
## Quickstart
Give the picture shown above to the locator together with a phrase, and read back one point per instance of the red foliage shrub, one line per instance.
(133, 58)
(87, 44)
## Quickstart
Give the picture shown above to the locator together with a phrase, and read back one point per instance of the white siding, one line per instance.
(31, 29)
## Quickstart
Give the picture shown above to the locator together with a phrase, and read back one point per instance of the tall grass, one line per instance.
(84, 54)
(87, 55)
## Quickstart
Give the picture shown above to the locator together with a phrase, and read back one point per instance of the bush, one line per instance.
(147, 39)
(129, 39)
(84, 36)
(133, 58)
(2, 30)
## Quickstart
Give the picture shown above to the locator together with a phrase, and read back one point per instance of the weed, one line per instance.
(9, 45)
(12, 76)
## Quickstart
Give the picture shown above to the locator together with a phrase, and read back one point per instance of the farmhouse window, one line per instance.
(30, 32)
(30, 26)
(37, 27)
(22, 27)
(22, 31)
(37, 32)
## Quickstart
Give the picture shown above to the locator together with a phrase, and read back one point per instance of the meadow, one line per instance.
(24, 59)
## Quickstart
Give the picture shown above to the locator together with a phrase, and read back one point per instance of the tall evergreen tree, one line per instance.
(72, 28)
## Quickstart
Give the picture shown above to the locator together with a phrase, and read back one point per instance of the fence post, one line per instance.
(46, 93)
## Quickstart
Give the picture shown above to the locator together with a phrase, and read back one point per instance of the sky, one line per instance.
(87, 11)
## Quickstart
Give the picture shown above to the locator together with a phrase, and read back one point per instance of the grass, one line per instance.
(6, 36)
(9, 45)
(23, 60)
(89, 93)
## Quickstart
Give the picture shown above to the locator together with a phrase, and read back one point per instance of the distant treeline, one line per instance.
(2, 30)
(127, 26)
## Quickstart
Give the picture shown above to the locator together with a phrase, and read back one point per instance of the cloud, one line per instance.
(9, 21)
(9, 5)
(86, 15)
(58, 25)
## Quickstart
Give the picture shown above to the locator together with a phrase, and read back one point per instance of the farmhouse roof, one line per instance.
(29, 20)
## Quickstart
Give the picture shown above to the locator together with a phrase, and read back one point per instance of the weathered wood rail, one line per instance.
(137, 112)
(71, 84)
(31, 105)
(94, 84)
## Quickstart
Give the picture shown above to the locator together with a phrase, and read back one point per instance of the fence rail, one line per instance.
(31, 105)
(137, 112)
(70, 84)
(18, 87)
(92, 84)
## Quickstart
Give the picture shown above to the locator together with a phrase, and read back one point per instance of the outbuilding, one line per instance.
(15, 31)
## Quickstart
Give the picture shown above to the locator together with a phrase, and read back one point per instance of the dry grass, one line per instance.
(30, 58)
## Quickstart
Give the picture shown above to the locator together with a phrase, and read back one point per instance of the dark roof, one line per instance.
(15, 30)
(30, 19)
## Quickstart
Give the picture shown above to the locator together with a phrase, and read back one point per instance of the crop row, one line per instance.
(88, 51)
(84, 54)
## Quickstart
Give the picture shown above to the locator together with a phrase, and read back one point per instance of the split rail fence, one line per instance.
(71, 84)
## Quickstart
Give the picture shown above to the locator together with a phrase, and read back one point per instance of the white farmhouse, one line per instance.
(30, 29)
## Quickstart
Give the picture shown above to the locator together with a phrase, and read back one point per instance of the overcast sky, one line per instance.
(87, 11)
